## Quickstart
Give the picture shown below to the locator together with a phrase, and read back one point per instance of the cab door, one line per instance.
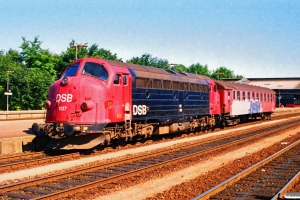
(121, 98)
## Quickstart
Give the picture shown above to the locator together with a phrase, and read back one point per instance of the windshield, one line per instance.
(96, 70)
(71, 71)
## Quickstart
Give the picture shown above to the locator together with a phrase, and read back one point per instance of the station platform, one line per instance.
(286, 110)
(16, 135)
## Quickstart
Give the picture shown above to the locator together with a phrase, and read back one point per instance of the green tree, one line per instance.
(95, 52)
(199, 69)
(92, 51)
(222, 72)
(35, 57)
(30, 88)
(239, 76)
(180, 68)
(9, 61)
(33, 72)
(148, 60)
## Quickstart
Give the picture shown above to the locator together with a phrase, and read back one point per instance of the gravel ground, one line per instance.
(190, 181)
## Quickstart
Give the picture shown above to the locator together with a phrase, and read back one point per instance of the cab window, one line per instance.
(125, 80)
(96, 70)
(71, 71)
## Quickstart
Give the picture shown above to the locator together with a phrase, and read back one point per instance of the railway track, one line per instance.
(285, 191)
(28, 160)
(268, 179)
(10, 163)
(115, 173)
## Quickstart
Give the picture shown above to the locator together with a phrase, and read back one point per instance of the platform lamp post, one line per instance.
(8, 92)
(76, 46)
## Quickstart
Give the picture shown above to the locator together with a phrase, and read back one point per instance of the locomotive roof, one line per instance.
(240, 86)
(160, 73)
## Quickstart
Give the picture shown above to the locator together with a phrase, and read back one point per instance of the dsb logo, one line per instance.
(64, 97)
(139, 109)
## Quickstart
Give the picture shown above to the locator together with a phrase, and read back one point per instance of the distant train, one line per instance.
(96, 101)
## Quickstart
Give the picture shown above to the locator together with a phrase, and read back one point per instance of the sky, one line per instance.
(253, 38)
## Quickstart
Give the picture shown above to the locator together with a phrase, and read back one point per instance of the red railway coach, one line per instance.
(243, 101)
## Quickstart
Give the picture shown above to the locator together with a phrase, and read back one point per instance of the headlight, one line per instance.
(65, 81)
(87, 105)
(84, 106)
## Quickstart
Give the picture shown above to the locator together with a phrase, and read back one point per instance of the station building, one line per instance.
(287, 89)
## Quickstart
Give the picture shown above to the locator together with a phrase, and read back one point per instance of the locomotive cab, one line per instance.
(87, 97)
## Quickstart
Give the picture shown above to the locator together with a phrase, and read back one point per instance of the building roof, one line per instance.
(272, 83)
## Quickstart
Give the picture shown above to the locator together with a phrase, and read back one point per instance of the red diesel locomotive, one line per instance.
(96, 101)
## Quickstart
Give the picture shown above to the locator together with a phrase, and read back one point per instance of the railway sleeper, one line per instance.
(37, 191)
(47, 185)
(15, 195)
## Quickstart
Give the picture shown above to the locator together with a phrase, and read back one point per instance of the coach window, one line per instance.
(96, 70)
(238, 95)
(117, 79)
(261, 97)
(248, 96)
(253, 96)
(228, 96)
(265, 99)
(257, 96)
(271, 98)
(243, 96)
(233, 95)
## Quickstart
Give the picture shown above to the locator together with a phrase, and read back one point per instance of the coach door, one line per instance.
(214, 99)
(122, 97)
